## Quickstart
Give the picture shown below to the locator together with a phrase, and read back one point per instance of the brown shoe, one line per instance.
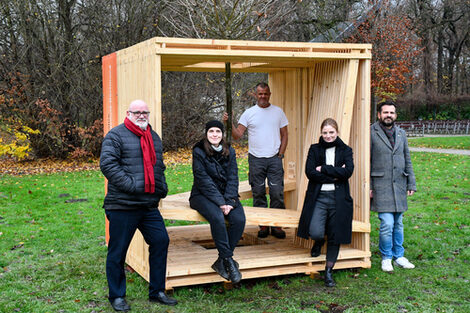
(278, 232)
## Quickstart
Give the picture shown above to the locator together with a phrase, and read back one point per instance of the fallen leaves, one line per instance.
(49, 166)
(46, 166)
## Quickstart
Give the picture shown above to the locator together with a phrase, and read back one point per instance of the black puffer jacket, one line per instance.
(215, 177)
(122, 164)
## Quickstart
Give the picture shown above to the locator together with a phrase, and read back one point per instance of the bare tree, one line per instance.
(52, 50)
(443, 27)
(225, 19)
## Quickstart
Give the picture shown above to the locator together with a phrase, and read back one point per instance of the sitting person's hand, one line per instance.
(226, 208)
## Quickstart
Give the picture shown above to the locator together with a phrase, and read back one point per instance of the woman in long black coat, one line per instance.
(328, 206)
(215, 196)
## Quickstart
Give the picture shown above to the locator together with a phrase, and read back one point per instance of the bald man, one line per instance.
(132, 161)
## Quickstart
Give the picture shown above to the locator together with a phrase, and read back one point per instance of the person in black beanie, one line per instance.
(215, 196)
(328, 206)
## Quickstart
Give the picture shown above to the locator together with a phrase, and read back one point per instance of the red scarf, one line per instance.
(148, 152)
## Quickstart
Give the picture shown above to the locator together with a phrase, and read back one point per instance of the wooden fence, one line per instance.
(421, 128)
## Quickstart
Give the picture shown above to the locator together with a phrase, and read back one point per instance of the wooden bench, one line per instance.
(244, 190)
(176, 207)
(180, 210)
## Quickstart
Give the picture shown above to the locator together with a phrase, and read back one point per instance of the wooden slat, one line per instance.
(244, 190)
(251, 44)
(265, 272)
(180, 210)
(345, 124)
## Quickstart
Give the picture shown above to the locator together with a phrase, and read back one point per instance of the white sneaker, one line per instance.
(387, 265)
(403, 262)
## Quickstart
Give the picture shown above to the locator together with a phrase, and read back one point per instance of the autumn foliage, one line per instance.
(395, 50)
(32, 128)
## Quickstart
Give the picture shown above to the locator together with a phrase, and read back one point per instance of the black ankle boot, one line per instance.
(234, 274)
(316, 249)
(219, 267)
(329, 281)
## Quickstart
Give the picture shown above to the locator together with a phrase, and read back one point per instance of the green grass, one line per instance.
(52, 253)
(458, 142)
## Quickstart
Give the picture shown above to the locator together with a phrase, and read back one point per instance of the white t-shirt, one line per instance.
(330, 160)
(263, 125)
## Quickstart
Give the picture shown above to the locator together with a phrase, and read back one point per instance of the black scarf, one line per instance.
(327, 145)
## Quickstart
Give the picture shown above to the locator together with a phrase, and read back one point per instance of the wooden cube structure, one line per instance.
(310, 82)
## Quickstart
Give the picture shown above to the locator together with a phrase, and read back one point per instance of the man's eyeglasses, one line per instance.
(138, 113)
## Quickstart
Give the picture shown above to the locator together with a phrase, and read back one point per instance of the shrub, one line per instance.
(439, 107)
(15, 139)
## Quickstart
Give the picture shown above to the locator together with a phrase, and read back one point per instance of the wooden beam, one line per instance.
(244, 190)
(345, 124)
(180, 210)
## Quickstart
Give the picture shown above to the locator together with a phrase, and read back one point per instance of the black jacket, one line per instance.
(216, 178)
(122, 164)
(337, 175)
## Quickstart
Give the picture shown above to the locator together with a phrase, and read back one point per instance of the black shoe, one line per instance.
(120, 304)
(219, 267)
(163, 299)
(234, 274)
(329, 281)
(316, 249)
(263, 231)
(278, 232)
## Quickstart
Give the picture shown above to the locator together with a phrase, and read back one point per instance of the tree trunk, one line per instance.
(228, 95)
(440, 51)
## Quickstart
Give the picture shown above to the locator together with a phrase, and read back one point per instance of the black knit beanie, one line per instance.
(214, 123)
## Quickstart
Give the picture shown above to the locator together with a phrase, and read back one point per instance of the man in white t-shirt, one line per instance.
(267, 142)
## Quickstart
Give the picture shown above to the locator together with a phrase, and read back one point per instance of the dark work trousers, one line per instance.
(259, 170)
(322, 221)
(122, 226)
(225, 239)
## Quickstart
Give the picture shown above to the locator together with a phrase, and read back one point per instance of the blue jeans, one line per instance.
(391, 235)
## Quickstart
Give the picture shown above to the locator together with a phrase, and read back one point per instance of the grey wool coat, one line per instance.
(391, 171)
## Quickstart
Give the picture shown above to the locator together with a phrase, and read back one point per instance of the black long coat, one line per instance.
(329, 174)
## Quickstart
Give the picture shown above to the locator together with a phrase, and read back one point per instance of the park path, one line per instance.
(447, 151)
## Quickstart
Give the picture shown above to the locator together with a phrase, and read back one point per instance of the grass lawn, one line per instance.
(457, 142)
(52, 253)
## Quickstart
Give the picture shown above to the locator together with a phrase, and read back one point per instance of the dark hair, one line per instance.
(262, 85)
(385, 102)
(210, 151)
(329, 121)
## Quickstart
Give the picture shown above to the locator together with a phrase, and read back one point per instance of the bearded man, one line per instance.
(132, 162)
(391, 180)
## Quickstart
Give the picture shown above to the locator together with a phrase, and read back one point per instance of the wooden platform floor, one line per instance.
(192, 251)
(191, 254)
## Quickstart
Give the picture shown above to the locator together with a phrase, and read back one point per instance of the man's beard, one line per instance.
(142, 124)
(387, 124)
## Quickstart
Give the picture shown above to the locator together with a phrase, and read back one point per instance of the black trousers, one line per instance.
(322, 223)
(270, 168)
(122, 226)
(225, 239)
